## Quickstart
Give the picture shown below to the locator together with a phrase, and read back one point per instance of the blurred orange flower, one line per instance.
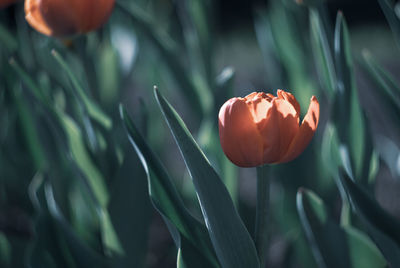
(4, 3)
(263, 129)
(62, 18)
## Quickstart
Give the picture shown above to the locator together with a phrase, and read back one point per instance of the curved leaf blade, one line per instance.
(326, 239)
(322, 52)
(92, 108)
(333, 245)
(388, 9)
(165, 197)
(388, 88)
(169, 50)
(230, 238)
(130, 210)
(382, 227)
(347, 110)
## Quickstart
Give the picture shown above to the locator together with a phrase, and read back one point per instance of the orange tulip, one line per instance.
(263, 129)
(62, 18)
(4, 3)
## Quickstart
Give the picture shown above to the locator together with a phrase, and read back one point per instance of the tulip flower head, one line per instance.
(263, 129)
(63, 18)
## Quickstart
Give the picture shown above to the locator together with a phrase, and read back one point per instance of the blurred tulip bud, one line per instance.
(63, 18)
(5, 3)
(263, 129)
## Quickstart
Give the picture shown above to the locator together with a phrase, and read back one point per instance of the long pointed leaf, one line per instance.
(348, 114)
(129, 210)
(322, 53)
(388, 9)
(93, 109)
(388, 88)
(230, 238)
(164, 195)
(333, 245)
(327, 241)
(199, 99)
(383, 228)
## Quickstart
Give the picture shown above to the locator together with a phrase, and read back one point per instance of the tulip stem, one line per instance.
(262, 214)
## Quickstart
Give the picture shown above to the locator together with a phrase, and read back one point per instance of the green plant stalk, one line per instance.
(262, 214)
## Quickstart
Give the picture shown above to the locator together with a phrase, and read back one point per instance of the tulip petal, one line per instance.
(52, 17)
(91, 19)
(251, 95)
(239, 136)
(278, 129)
(35, 17)
(290, 98)
(67, 17)
(258, 107)
(305, 133)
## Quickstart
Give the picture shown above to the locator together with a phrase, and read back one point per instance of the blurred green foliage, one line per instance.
(80, 178)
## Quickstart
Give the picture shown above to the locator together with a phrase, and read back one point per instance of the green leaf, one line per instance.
(83, 255)
(108, 73)
(164, 195)
(57, 243)
(7, 39)
(333, 245)
(347, 112)
(370, 165)
(387, 87)
(224, 83)
(265, 39)
(5, 251)
(330, 149)
(93, 109)
(189, 256)
(31, 85)
(382, 227)
(230, 238)
(326, 239)
(388, 9)
(130, 212)
(363, 252)
(198, 98)
(290, 44)
(390, 153)
(30, 131)
(322, 53)
(84, 162)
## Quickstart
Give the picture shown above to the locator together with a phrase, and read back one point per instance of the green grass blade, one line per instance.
(57, 244)
(92, 108)
(31, 85)
(130, 210)
(326, 239)
(383, 228)
(230, 238)
(386, 84)
(29, 130)
(333, 245)
(189, 256)
(7, 40)
(290, 46)
(363, 252)
(347, 112)
(171, 53)
(83, 255)
(388, 9)
(82, 158)
(164, 195)
(322, 53)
